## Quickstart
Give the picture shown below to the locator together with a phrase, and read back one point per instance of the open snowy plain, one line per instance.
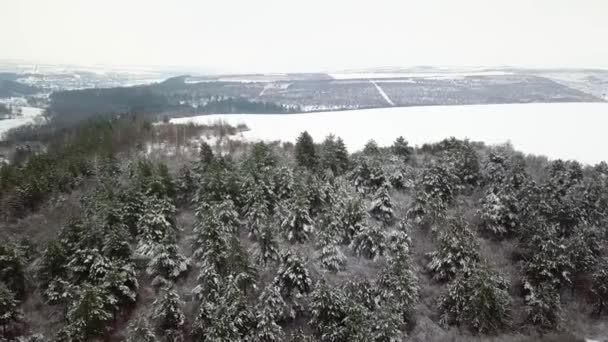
(558, 130)
(29, 115)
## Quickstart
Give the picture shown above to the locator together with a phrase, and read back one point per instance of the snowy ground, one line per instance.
(29, 115)
(557, 130)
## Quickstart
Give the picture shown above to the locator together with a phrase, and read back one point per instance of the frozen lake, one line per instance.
(558, 130)
(29, 115)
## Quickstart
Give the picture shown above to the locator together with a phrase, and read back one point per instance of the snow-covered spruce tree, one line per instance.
(270, 309)
(53, 264)
(371, 148)
(305, 153)
(156, 224)
(12, 268)
(364, 292)
(8, 308)
(435, 192)
(205, 159)
(283, 180)
(456, 251)
(401, 149)
(543, 305)
(256, 211)
(223, 316)
(140, 330)
(331, 256)
(168, 313)
(357, 325)
(88, 315)
(398, 282)
(478, 300)
(354, 218)
(292, 276)
(185, 185)
(268, 246)
(117, 242)
(334, 155)
(120, 282)
(499, 213)
(166, 263)
(370, 242)
(297, 226)
(387, 324)
(327, 311)
(461, 156)
(300, 336)
(88, 264)
(240, 266)
(382, 205)
(549, 260)
(599, 287)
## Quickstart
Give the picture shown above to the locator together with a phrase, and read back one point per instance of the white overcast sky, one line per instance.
(306, 35)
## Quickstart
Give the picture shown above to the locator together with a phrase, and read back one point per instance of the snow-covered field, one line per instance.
(29, 115)
(557, 130)
(440, 75)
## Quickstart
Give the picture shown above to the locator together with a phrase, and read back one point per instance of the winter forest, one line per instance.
(108, 239)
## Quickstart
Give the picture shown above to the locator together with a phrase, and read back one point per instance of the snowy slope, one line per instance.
(558, 130)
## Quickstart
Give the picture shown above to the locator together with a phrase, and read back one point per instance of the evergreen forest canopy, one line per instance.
(109, 239)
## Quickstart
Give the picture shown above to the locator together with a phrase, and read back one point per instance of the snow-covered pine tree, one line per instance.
(462, 158)
(256, 210)
(120, 282)
(205, 158)
(371, 148)
(382, 205)
(227, 215)
(168, 313)
(297, 226)
(370, 242)
(353, 218)
(334, 155)
(305, 152)
(88, 314)
(166, 263)
(599, 287)
(223, 316)
(8, 308)
(211, 241)
(185, 185)
(53, 265)
(88, 264)
(543, 305)
(499, 213)
(387, 324)
(479, 300)
(457, 251)
(549, 260)
(140, 330)
(435, 192)
(268, 246)
(331, 257)
(327, 311)
(117, 242)
(292, 276)
(283, 180)
(270, 309)
(401, 149)
(12, 268)
(156, 224)
(398, 282)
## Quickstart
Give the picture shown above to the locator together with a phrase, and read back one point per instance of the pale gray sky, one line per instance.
(301, 35)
